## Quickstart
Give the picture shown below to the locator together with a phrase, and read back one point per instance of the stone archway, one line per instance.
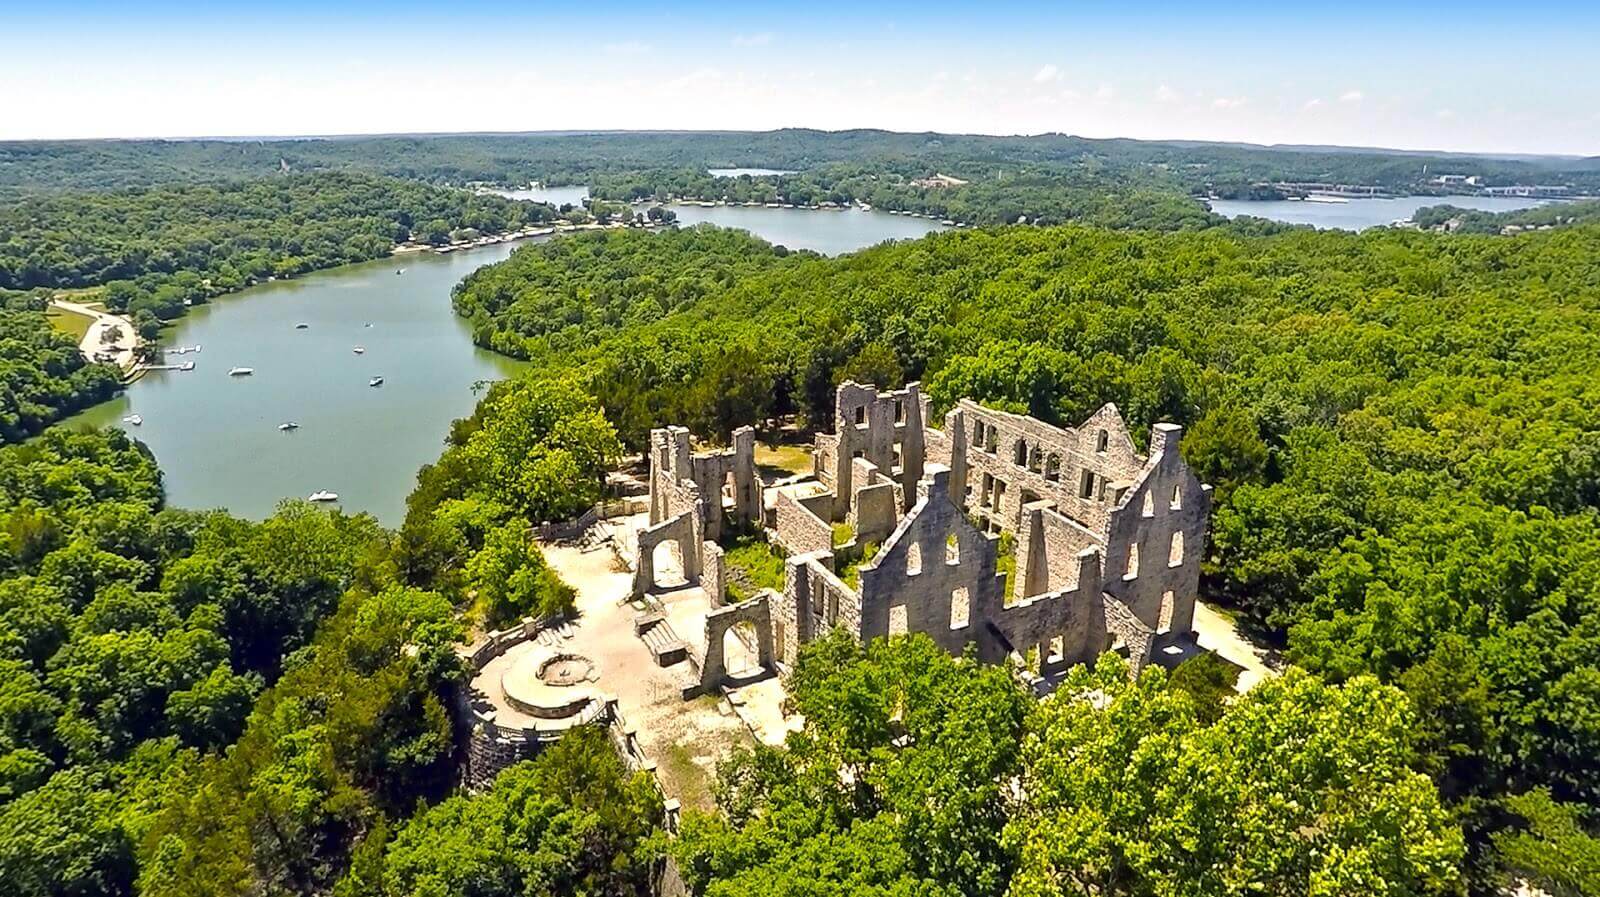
(720, 624)
(680, 532)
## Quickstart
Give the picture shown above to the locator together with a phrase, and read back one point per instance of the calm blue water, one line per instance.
(753, 172)
(556, 196)
(1360, 214)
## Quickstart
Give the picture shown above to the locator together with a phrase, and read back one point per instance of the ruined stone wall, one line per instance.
(798, 531)
(1128, 632)
(885, 428)
(711, 483)
(875, 507)
(814, 601)
(935, 574)
(713, 573)
(1048, 545)
(1011, 460)
(1067, 623)
(1155, 536)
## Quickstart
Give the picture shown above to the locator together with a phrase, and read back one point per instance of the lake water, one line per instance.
(1360, 214)
(828, 231)
(556, 196)
(216, 437)
(753, 172)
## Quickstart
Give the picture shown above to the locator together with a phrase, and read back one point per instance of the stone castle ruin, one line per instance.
(1104, 542)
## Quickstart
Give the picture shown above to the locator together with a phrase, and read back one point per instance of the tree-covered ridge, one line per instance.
(222, 237)
(1105, 197)
(564, 158)
(1402, 428)
(1473, 221)
(560, 296)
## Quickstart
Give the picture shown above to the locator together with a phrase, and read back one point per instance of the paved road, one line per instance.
(94, 341)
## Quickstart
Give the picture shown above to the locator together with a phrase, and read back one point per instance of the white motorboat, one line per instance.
(241, 372)
(323, 495)
(301, 326)
(288, 425)
(375, 381)
(359, 349)
(134, 419)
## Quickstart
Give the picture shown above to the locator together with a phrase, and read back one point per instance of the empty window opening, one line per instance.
(1052, 468)
(899, 411)
(991, 440)
(988, 490)
(861, 415)
(858, 453)
(977, 433)
(1102, 441)
(1035, 460)
(913, 559)
(1149, 505)
(1019, 453)
(1175, 557)
(1177, 498)
(899, 619)
(952, 549)
(1057, 650)
(960, 608)
(1086, 484)
(1133, 562)
(897, 459)
(999, 494)
(1164, 617)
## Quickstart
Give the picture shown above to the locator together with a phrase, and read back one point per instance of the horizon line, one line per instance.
(580, 132)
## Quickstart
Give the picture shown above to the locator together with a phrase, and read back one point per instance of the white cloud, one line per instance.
(1046, 72)
(759, 39)
(1315, 103)
(1228, 102)
(1445, 113)
(626, 48)
(1165, 94)
(1351, 96)
(1105, 92)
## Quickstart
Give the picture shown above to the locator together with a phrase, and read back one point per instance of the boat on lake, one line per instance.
(323, 495)
(241, 372)
(375, 381)
(288, 425)
(360, 349)
(134, 419)
(301, 326)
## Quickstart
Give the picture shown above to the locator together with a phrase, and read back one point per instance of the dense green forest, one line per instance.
(568, 157)
(198, 241)
(1401, 426)
(196, 704)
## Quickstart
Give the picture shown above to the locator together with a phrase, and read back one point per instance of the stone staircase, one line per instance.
(657, 634)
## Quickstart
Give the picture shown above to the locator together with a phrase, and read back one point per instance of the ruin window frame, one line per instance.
(1175, 550)
(1102, 441)
(1086, 484)
(914, 559)
(1177, 498)
(960, 596)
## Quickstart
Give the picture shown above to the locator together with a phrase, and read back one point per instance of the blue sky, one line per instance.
(1460, 76)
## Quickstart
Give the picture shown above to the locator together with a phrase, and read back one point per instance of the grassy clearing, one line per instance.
(778, 461)
(683, 777)
(69, 322)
